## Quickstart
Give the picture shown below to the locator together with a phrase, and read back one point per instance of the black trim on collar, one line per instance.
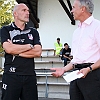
(13, 25)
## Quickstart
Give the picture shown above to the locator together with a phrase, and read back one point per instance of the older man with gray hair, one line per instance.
(86, 53)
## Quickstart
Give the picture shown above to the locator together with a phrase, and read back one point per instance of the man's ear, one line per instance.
(83, 8)
(15, 14)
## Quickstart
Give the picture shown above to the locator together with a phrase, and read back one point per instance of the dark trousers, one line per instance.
(65, 60)
(15, 87)
(87, 88)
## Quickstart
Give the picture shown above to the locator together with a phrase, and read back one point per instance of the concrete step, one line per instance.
(48, 58)
(48, 52)
(53, 91)
(51, 87)
(48, 64)
(50, 78)
(51, 99)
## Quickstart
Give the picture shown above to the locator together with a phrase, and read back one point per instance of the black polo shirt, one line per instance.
(16, 64)
(66, 52)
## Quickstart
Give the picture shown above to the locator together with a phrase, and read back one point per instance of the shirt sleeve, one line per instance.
(97, 36)
(36, 39)
(4, 33)
(70, 50)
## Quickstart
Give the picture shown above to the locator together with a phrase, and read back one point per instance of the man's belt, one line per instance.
(84, 65)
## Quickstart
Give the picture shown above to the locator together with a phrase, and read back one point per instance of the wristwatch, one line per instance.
(31, 46)
(17, 55)
(90, 68)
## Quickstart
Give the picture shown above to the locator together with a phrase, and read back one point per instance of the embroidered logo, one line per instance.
(20, 40)
(12, 69)
(30, 36)
(4, 86)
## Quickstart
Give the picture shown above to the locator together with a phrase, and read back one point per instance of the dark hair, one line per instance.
(65, 44)
(58, 39)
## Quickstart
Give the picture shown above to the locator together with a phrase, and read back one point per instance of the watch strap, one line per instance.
(90, 68)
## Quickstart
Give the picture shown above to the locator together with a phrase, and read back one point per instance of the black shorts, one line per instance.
(19, 86)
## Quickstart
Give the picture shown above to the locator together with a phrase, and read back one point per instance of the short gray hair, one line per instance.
(88, 4)
(15, 7)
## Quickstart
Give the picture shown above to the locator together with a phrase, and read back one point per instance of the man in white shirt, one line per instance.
(86, 53)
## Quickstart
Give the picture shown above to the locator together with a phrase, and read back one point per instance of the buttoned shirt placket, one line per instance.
(81, 27)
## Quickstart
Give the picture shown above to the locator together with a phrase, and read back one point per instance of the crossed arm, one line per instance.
(22, 50)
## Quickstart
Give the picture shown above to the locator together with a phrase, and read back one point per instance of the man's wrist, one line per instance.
(90, 68)
(64, 69)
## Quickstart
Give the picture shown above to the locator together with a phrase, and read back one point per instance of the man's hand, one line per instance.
(67, 57)
(84, 71)
(58, 72)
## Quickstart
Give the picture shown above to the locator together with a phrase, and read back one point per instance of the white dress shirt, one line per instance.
(86, 42)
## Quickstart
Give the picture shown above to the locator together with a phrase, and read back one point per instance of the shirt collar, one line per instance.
(88, 21)
(13, 25)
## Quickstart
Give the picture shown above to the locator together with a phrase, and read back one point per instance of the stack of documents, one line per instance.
(72, 76)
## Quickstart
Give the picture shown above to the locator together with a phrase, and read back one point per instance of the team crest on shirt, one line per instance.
(30, 36)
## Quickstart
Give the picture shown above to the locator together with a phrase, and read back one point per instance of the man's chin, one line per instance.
(26, 21)
(74, 18)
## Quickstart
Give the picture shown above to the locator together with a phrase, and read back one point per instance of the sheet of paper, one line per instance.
(72, 76)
